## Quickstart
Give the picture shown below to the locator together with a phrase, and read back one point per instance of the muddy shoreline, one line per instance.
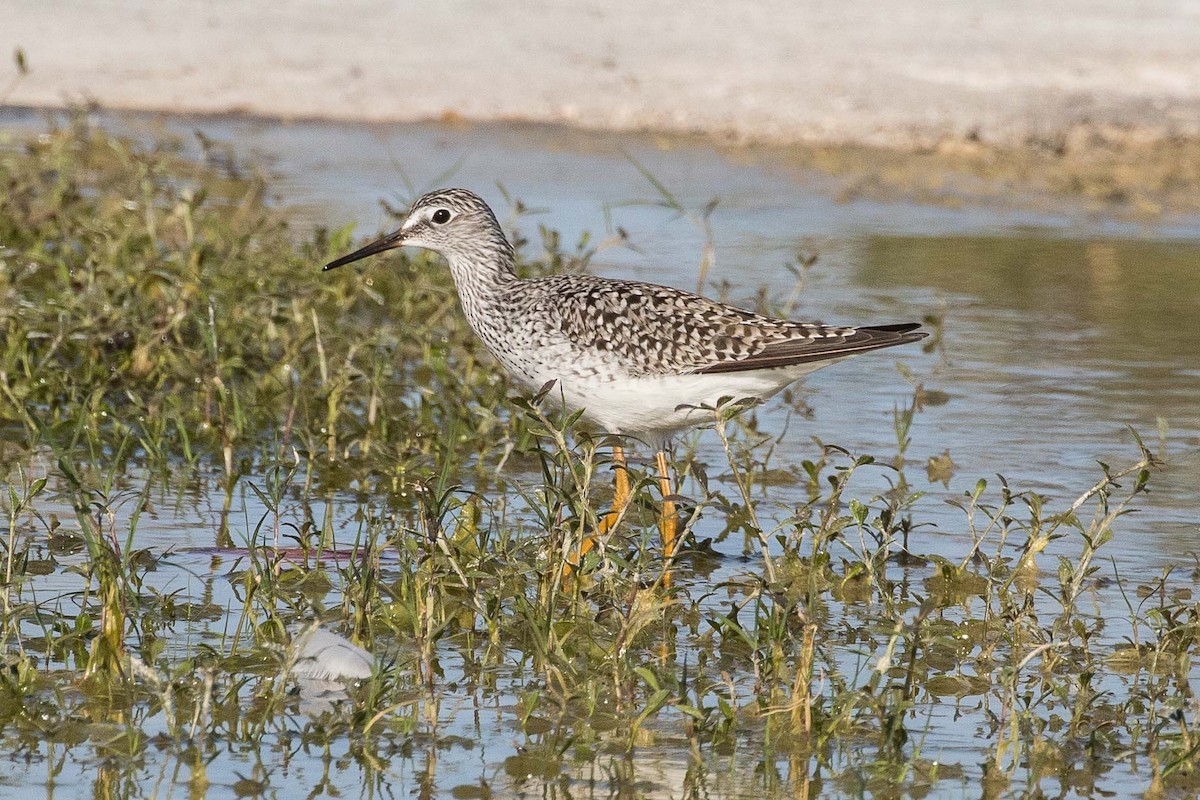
(946, 101)
(1121, 173)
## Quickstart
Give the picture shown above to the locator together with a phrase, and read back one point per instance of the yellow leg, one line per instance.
(668, 527)
(668, 523)
(620, 500)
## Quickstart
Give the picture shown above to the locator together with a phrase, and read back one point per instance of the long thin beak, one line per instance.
(389, 242)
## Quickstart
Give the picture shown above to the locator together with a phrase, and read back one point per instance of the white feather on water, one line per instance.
(321, 655)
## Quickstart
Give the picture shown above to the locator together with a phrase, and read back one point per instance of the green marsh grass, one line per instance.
(169, 342)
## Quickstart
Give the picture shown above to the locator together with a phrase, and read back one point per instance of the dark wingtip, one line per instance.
(862, 340)
(899, 327)
(899, 333)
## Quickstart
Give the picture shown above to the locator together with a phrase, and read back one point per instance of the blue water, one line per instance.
(1060, 331)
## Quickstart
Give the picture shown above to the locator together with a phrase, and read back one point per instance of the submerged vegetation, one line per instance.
(170, 351)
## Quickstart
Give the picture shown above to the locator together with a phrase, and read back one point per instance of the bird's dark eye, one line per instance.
(441, 216)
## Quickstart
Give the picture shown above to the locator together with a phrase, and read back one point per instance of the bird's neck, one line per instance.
(480, 275)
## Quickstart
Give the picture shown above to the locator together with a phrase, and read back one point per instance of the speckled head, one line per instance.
(453, 222)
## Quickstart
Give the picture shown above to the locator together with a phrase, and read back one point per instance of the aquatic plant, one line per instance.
(337, 449)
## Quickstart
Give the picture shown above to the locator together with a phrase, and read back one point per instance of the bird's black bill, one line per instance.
(389, 242)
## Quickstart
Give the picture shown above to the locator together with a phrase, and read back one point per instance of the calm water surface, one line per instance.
(1060, 331)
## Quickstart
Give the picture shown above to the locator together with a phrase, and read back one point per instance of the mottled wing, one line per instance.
(657, 330)
(838, 343)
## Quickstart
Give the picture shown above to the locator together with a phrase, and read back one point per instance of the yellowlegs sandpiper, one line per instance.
(638, 359)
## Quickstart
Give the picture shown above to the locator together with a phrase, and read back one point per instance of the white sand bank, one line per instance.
(884, 72)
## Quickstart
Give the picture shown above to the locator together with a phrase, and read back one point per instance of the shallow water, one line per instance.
(1060, 329)
(1059, 332)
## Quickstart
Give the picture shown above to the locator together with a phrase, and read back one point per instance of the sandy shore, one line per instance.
(899, 74)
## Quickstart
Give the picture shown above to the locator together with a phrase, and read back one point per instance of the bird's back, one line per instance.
(636, 329)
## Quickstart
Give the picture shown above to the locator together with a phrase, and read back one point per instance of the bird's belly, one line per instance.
(653, 407)
(650, 407)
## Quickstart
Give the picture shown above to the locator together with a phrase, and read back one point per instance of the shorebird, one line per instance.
(637, 359)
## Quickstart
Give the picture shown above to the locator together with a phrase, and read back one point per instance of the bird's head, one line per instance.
(453, 222)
